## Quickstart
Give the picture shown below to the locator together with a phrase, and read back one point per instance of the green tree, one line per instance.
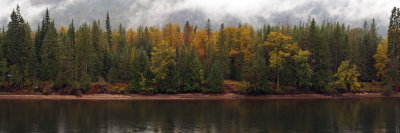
(3, 70)
(85, 55)
(49, 54)
(320, 61)
(140, 66)
(215, 79)
(222, 52)
(164, 68)
(187, 33)
(258, 74)
(108, 32)
(17, 45)
(64, 76)
(208, 28)
(41, 33)
(192, 72)
(303, 69)
(98, 46)
(391, 80)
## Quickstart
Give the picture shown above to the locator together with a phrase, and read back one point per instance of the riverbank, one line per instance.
(228, 96)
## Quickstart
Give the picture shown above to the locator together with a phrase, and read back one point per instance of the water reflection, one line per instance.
(338, 115)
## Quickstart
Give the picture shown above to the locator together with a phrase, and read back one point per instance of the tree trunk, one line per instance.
(277, 77)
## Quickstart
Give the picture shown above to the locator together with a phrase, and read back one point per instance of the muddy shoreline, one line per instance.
(228, 96)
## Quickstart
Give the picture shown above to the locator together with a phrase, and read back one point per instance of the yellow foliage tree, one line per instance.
(163, 66)
(200, 43)
(280, 51)
(381, 60)
(347, 77)
(130, 37)
(156, 36)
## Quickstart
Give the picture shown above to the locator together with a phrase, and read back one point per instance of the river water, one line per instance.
(220, 116)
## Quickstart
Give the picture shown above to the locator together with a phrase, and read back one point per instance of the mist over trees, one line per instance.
(313, 56)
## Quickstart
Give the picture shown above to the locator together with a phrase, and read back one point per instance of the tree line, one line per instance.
(329, 57)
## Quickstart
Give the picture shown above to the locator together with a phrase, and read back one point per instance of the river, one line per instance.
(221, 116)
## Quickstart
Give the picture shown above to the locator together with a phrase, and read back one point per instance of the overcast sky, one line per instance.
(152, 12)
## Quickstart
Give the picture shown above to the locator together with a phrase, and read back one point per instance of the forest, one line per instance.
(320, 57)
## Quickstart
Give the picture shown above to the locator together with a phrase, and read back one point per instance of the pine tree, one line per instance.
(208, 28)
(85, 55)
(192, 72)
(3, 70)
(187, 33)
(259, 77)
(17, 45)
(222, 52)
(373, 41)
(215, 79)
(338, 47)
(139, 67)
(41, 33)
(108, 32)
(49, 54)
(121, 61)
(64, 76)
(97, 44)
(392, 78)
(320, 63)
(303, 70)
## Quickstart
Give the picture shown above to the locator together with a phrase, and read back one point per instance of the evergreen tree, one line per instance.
(222, 52)
(392, 80)
(64, 76)
(85, 55)
(49, 54)
(17, 45)
(121, 59)
(259, 77)
(208, 28)
(107, 64)
(41, 33)
(187, 33)
(140, 66)
(3, 70)
(303, 70)
(215, 79)
(192, 72)
(338, 47)
(97, 44)
(108, 32)
(320, 54)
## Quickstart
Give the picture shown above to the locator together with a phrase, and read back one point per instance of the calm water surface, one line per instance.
(222, 116)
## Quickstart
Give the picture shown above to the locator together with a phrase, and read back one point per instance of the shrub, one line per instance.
(146, 91)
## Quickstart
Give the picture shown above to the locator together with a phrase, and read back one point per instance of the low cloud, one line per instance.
(254, 12)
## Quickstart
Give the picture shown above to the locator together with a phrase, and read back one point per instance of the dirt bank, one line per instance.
(191, 96)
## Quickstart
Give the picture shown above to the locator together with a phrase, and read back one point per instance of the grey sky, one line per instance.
(152, 12)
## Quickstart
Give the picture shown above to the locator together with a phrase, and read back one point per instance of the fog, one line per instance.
(231, 12)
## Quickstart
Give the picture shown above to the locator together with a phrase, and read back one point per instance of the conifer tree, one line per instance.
(192, 72)
(49, 54)
(320, 63)
(215, 79)
(139, 67)
(259, 77)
